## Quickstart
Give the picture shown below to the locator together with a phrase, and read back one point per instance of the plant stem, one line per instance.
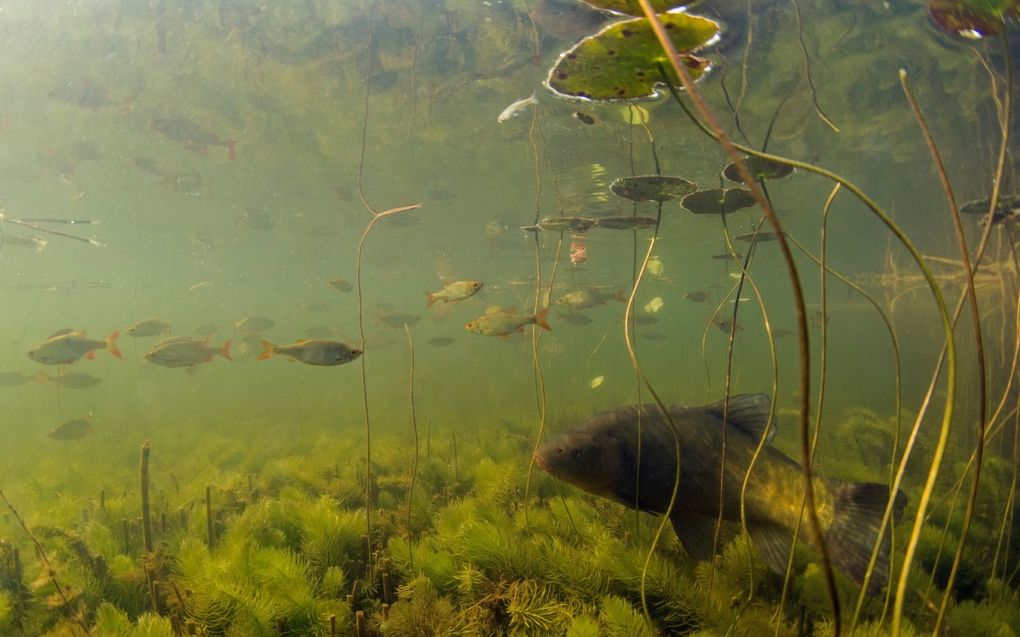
(146, 519)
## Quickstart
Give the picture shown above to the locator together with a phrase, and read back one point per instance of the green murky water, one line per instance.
(222, 160)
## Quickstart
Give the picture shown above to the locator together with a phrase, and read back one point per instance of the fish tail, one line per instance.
(857, 515)
(542, 319)
(225, 351)
(231, 145)
(268, 350)
(430, 298)
(111, 344)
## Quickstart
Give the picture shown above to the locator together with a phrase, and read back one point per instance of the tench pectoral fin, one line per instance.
(697, 534)
(773, 543)
(748, 413)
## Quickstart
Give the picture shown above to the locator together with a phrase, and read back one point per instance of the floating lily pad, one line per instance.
(633, 7)
(718, 201)
(652, 188)
(973, 18)
(620, 61)
(761, 169)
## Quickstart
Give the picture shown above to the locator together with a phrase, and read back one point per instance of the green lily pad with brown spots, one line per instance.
(633, 7)
(718, 201)
(652, 188)
(621, 61)
(760, 169)
(973, 18)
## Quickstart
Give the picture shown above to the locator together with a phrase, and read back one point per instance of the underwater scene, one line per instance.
(509, 317)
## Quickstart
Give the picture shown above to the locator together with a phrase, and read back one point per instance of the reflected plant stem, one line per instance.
(798, 294)
(807, 68)
(971, 296)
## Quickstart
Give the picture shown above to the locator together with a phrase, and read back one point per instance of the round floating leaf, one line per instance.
(652, 188)
(761, 169)
(633, 7)
(718, 201)
(973, 18)
(620, 61)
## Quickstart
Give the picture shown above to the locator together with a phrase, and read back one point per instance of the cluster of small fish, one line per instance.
(69, 346)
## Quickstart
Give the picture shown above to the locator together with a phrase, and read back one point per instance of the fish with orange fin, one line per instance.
(500, 322)
(68, 346)
(453, 292)
(321, 352)
(193, 136)
(185, 351)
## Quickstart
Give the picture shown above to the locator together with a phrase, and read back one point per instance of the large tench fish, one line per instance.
(600, 456)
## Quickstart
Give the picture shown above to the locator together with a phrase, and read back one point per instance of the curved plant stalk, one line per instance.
(536, 336)
(414, 432)
(823, 269)
(636, 364)
(773, 390)
(897, 357)
(978, 343)
(798, 294)
(949, 351)
(376, 217)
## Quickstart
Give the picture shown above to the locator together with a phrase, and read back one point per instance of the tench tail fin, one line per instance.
(857, 516)
(111, 344)
(268, 350)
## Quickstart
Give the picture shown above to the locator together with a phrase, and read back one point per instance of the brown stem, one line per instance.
(798, 295)
(146, 519)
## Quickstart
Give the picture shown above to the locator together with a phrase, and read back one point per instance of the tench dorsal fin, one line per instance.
(748, 413)
(773, 542)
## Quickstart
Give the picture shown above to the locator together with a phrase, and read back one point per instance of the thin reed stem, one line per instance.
(802, 333)
(971, 295)
(414, 432)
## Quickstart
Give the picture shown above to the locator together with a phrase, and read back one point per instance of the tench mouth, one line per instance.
(541, 461)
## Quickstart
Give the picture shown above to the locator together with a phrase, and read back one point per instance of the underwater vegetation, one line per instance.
(873, 492)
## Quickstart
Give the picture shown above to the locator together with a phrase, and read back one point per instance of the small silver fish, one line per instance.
(313, 352)
(253, 324)
(453, 292)
(182, 351)
(516, 108)
(65, 348)
(149, 327)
